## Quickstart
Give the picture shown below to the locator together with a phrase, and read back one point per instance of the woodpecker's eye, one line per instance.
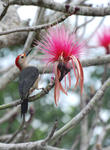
(22, 56)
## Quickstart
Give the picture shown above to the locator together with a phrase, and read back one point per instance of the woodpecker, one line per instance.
(28, 80)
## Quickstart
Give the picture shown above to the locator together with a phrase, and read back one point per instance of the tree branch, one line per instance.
(71, 124)
(10, 21)
(5, 8)
(37, 20)
(27, 146)
(16, 132)
(79, 116)
(12, 73)
(36, 28)
(22, 127)
(9, 114)
(31, 99)
(65, 8)
(47, 139)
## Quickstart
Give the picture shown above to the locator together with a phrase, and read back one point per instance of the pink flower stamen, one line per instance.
(62, 48)
(104, 39)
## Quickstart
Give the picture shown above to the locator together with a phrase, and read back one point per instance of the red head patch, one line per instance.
(17, 60)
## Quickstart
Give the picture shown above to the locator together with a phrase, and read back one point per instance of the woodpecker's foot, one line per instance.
(45, 90)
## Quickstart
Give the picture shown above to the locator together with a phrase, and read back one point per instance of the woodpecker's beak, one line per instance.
(28, 52)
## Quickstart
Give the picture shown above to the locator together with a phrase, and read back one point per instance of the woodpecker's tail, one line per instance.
(24, 107)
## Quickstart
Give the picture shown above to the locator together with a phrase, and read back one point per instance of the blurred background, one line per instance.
(43, 113)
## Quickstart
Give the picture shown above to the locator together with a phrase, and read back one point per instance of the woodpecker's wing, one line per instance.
(27, 78)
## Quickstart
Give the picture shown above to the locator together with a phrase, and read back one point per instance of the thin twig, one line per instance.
(9, 115)
(83, 24)
(58, 141)
(104, 76)
(71, 124)
(75, 143)
(36, 28)
(96, 29)
(31, 99)
(45, 141)
(37, 19)
(16, 133)
(23, 126)
(6, 5)
(94, 61)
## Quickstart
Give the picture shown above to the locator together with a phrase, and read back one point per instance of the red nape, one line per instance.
(17, 62)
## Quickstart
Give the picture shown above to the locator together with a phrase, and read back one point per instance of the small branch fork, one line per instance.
(23, 126)
(31, 99)
(53, 135)
(68, 9)
(65, 8)
(36, 28)
(48, 138)
(12, 73)
(85, 63)
(71, 124)
(5, 8)
(16, 133)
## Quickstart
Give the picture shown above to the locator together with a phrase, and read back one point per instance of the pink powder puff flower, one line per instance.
(61, 48)
(104, 39)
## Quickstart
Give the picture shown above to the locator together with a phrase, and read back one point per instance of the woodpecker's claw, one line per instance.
(45, 90)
